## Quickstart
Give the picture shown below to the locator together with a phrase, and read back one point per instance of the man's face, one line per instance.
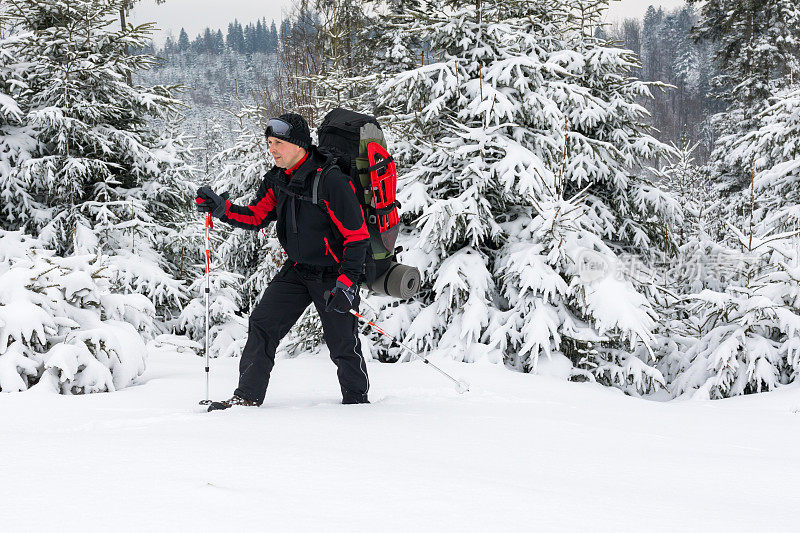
(286, 154)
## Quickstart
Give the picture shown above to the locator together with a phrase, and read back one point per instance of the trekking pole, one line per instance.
(209, 225)
(461, 385)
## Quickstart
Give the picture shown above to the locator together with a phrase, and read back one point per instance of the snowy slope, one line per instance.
(517, 453)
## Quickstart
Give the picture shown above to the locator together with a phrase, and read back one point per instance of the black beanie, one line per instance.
(300, 134)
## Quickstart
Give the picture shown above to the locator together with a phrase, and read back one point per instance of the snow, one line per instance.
(506, 119)
(13, 364)
(8, 106)
(519, 452)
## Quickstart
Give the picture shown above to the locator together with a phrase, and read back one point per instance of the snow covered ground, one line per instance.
(516, 453)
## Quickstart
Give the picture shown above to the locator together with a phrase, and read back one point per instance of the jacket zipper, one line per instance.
(329, 250)
(294, 216)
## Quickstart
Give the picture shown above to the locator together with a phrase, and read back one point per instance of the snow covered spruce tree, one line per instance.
(685, 180)
(358, 45)
(107, 179)
(523, 148)
(747, 318)
(62, 325)
(16, 140)
(772, 152)
(394, 51)
(741, 321)
(756, 48)
(340, 37)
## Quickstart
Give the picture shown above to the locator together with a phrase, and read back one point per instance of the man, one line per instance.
(326, 244)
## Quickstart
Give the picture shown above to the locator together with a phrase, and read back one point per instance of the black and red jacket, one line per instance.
(330, 233)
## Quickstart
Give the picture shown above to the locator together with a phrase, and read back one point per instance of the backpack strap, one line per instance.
(372, 213)
(317, 192)
(293, 194)
(316, 197)
(316, 187)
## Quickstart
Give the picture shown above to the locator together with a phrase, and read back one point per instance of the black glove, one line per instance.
(210, 202)
(340, 299)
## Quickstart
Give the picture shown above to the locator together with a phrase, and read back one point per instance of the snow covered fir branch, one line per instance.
(609, 204)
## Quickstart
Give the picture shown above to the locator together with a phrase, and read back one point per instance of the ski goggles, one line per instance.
(278, 128)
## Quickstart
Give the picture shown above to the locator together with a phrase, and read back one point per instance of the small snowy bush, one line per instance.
(227, 330)
(749, 329)
(61, 324)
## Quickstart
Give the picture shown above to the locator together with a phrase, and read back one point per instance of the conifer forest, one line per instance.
(604, 214)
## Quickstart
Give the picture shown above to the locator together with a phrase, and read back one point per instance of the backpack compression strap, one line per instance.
(380, 165)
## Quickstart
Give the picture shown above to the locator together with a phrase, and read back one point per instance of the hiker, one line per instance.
(326, 243)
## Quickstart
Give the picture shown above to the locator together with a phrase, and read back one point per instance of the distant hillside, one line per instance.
(216, 84)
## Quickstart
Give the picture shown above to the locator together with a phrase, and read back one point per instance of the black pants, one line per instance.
(284, 300)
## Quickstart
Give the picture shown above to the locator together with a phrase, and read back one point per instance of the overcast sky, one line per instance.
(195, 15)
(636, 8)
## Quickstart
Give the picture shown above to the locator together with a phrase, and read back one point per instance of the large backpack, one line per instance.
(358, 144)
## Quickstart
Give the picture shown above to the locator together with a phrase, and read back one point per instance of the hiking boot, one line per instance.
(234, 400)
(354, 398)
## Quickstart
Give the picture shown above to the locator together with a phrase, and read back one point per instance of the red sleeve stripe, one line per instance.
(245, 219)
(344, 279)
(264, 206)
(260, 210)
(349, 235)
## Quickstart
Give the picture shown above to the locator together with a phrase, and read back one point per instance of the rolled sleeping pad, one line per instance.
(399, 281)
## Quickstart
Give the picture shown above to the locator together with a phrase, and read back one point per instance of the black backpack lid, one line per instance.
(344, 120)
(340, 131)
